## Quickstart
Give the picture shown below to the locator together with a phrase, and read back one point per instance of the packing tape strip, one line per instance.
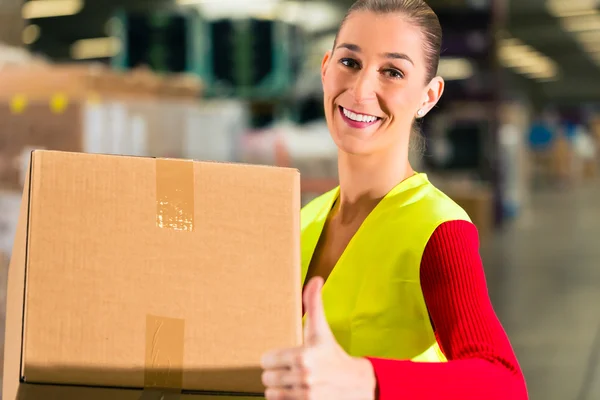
(175, 194)
(163, 369)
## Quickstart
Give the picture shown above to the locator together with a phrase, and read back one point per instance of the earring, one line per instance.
(421, 112)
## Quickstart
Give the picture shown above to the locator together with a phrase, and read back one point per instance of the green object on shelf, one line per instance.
(251, 42)
(163, 40)
(245, 58)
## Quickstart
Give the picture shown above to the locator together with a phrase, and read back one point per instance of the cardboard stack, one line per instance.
(476, 198)
(89, 109)
(308, 148)
(135, 277)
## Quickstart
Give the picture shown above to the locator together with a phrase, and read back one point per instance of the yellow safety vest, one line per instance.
(373, 299)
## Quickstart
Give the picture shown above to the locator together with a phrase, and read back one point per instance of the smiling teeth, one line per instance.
(358, 117)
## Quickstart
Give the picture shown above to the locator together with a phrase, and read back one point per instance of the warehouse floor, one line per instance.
(544, 280)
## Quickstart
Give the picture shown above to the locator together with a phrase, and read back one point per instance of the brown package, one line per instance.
(136, 273)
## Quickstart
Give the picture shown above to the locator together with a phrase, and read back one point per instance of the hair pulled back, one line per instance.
(416, 12)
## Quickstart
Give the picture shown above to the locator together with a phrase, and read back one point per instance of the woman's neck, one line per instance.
(365, 180)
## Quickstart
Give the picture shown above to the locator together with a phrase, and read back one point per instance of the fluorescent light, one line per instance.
(581, 23)
(588, 37)
(591, 47)
(312, 16)
(215, 9)
(31, 34)
(194, 2)
(50, 8)
(573, 13)
(537, 70)
(571, 8)
(104, 47)
(455, 68)
(526, 60)
(509, 53)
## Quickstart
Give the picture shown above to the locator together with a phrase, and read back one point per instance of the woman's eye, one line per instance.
(348, 62)
(394, 73)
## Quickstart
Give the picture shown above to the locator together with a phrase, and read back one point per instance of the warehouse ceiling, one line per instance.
(526, 20)
(579, 73)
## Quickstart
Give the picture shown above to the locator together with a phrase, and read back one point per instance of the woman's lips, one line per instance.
(358, 121)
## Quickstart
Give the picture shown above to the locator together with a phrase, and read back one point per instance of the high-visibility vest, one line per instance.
(373, 299)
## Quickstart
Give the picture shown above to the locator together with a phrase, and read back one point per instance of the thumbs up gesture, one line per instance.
(320, 369)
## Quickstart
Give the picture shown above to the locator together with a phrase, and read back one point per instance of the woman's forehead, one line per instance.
(383, 33)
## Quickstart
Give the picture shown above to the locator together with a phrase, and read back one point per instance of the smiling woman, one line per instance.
(395, 298)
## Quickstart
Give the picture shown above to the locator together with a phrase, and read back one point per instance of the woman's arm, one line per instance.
(482, 364)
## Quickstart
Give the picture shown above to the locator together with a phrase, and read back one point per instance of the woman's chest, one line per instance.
(374, 303)
(328, 251)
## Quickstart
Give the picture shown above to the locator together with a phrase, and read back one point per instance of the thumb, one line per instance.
(316, 329)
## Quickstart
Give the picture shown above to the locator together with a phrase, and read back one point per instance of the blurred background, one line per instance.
(514, 140)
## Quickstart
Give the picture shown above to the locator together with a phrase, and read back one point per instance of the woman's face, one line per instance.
(374, 83)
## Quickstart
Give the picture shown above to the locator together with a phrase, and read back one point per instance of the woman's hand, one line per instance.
(320, 369)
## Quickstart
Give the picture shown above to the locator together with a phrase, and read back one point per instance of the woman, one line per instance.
(396, 301)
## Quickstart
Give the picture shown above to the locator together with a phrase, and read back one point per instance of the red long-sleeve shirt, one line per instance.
(481, 362)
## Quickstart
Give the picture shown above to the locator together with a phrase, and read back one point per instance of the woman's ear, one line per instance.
(432, 94)
(325, 64)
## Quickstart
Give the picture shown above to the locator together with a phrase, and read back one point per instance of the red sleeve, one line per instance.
(482, 364)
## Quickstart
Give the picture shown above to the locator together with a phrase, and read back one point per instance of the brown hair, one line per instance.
(418, 13)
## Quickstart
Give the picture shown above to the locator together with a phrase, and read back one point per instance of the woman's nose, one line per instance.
(364, 87)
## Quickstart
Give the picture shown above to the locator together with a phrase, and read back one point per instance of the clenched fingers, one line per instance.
(286, 358)
(284, 378)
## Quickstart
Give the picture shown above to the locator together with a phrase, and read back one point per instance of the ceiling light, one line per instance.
(581, 23)
(104, 47)
(573, 13)
(514, 54)
(537, 70)
(50, 8)
(313, 16)
(588, 37)
(216, 9)
(591, 47)
(455, 68)
(31, 34)
(571, 8)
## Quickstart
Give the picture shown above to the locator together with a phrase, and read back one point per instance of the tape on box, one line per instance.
(163, 369)
(175, 194)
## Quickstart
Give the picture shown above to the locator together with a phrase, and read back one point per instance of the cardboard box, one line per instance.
(41, 80)
(132, 272)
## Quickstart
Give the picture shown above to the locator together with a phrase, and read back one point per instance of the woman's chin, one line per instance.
(353, 145)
